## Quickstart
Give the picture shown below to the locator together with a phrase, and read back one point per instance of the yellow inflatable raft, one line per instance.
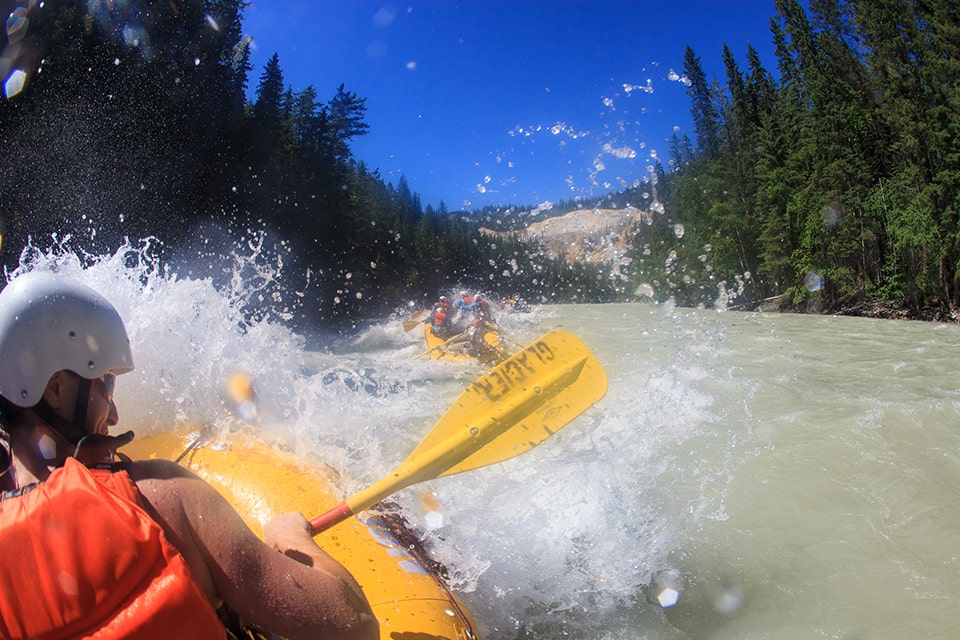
(507, 411)
(489, 349)
(408, 596)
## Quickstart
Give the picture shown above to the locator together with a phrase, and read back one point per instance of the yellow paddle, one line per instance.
(417, 318)
(506, 412)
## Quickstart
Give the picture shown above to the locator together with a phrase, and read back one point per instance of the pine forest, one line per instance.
(830, 183)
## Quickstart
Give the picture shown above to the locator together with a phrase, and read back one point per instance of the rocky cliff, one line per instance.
(590, 235)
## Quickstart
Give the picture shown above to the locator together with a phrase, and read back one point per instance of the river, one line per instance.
(789, 476)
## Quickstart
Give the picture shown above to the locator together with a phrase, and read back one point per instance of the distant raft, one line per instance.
(404, 587)
(482, 343)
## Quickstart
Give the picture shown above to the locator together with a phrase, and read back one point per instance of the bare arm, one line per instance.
(267, 588)
(291, 534)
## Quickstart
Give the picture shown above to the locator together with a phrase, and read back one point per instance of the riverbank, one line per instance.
(868, 309)
(889, 312)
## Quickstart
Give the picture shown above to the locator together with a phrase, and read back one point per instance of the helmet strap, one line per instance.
(80, 406)
(71, 431)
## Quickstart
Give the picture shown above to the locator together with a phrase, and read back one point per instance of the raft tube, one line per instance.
(444, 349)
(405, 589)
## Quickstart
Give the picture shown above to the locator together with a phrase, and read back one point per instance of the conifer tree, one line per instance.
(705, 119)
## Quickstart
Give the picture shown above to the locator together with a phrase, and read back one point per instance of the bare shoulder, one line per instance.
(167, 486)
(175, 492)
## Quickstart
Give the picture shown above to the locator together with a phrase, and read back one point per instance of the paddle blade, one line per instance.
(415, 319)
(520, 403)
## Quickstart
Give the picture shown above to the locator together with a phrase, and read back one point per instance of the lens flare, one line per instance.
(666, 589)
(16, 25)
(813, 281)
(14, 83)
(433, 509)
(240, 391)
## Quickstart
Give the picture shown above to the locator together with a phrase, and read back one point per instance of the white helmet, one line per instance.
(49, 323)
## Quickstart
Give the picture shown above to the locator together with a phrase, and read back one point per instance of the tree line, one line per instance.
(831, 184)
(837, 184)
(134, 122)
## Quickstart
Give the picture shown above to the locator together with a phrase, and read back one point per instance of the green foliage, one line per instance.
(836, 183)
(839, 183)
(139, 126)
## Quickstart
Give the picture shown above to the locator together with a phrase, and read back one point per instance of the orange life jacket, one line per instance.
(82, 559)
(439, 317)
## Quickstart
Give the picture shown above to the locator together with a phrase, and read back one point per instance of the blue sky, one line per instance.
(494, 102)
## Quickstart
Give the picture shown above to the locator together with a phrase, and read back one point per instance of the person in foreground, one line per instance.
(94, 547)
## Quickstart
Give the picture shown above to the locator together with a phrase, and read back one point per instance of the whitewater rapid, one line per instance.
(794, 476)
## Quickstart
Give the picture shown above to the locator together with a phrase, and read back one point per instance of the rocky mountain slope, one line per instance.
(587, 235)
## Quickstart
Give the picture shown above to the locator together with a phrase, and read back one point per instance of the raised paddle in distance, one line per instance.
(415, 319)
(513, 408)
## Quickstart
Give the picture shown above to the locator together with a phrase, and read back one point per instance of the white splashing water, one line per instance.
(525, 541)
(728, 446)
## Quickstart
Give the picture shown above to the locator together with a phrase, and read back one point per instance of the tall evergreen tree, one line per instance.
(267, 109)
(706, 122)
(346, 112)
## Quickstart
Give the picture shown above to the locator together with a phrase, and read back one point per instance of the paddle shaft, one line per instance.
(441, 345)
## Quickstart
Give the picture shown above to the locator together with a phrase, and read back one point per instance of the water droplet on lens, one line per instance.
(14, 83)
